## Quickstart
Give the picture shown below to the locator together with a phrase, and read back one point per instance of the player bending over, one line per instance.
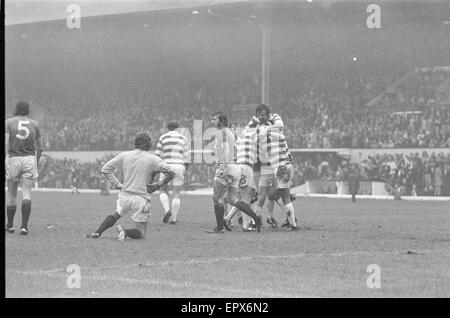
(173, 149)
(227, 175)
(139, 167)
(23, 146)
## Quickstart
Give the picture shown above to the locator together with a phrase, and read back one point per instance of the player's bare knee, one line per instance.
(11, 200)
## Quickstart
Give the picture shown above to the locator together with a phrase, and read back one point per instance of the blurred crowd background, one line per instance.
(335, 82)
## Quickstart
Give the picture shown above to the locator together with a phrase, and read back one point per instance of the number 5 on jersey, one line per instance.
(21, 128)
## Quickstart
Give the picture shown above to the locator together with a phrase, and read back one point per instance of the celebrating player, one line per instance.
(23, 146)
(139, 168)
(263, 171)
(227, 175)
(173, 149)
(280, 160)
(246, 158)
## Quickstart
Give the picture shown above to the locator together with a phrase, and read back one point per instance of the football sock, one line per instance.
(175, 207)
(232, 213)
(245, 221)
(258, 210)
(10, 211)
(270, 207)
(107, 223)
(245, 207)
(133, 233)
(289, 208)
(26, 211)
(164, 201)
(219, 211)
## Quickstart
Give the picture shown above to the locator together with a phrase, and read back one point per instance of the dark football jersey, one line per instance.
(23, 134)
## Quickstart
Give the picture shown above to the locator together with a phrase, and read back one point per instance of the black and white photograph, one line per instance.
(226, 153)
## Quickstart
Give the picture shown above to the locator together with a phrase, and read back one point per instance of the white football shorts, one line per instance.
(266, 176)
(179, 170)
(21, 167)
(247, 179)
(284, 175)
(138, 206)
(228, 174)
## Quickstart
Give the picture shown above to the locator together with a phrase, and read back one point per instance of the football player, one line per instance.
(173, 149)
(228, 173)
(139, 168)
(23, 148)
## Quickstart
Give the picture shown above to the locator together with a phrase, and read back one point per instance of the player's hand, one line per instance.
(254, 123)
(152, 187)
(119, 186)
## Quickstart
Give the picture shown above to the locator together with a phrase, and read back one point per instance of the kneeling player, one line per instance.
(139, 167)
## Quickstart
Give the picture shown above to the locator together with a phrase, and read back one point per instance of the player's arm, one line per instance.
(165, 169)
(276, 123)
(6, 138)
(254, 122)
(109, 168)
(158, 151)
(39, 144)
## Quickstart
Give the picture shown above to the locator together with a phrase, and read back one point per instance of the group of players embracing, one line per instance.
(252, 165)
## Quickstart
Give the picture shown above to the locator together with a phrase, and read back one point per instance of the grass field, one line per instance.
(328, 257)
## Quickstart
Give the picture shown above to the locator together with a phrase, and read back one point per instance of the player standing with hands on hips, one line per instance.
(23, 146)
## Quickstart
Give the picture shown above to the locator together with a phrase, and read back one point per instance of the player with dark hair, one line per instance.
(173, 149)
(263, 172)
(139, 167)
(23, 149)
(281, 162)
(227, 175)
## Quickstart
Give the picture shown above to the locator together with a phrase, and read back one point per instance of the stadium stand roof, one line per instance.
(29, 11)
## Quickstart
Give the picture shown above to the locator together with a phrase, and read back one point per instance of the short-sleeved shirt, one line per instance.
(23, 135)
(138, 167)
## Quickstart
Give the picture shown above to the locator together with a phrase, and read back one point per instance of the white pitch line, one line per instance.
(240, 259)
(226, 290)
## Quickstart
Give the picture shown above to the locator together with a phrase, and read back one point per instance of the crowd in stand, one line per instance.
(408, 174)
(422, 174)
(319, 111)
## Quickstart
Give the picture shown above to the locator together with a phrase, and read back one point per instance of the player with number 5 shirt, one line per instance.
(23, 148)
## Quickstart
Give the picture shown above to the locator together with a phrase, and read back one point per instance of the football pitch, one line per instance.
(340, 247)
